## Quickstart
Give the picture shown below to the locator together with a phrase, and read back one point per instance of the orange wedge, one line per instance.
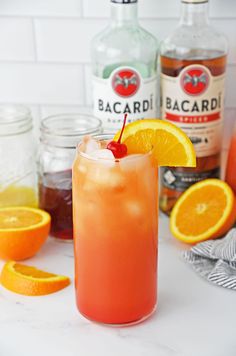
(169, 145)
(31, 281)
(206, 210)
(23, 230)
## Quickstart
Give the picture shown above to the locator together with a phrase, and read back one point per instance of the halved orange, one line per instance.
(206, 210)
(23, 230)
(169, 145)
(31, 281)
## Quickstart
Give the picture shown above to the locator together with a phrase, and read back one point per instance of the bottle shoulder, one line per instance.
(124, 37)
(187, 39)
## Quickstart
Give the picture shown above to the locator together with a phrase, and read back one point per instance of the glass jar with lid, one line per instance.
(18, 185)
(59, 137)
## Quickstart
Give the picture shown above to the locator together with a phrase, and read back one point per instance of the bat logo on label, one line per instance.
(126, 82)
(195, 81)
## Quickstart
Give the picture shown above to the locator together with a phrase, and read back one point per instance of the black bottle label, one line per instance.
(180, 181)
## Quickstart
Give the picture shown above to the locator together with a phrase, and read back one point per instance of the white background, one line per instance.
(44, 49)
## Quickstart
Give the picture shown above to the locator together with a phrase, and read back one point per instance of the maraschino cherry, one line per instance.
(118, 149)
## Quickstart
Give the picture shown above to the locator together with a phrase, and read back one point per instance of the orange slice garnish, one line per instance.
(169, 145)
(206, 210)
(31, 281)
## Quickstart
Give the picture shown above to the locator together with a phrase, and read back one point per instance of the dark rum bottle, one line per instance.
(193, 63)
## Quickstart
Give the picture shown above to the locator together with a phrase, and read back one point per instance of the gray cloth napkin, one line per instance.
(215, 260)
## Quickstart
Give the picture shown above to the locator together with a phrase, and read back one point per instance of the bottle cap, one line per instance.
(194, 1)
(124, 1)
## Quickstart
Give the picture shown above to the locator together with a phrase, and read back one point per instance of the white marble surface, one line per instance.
(193, 317)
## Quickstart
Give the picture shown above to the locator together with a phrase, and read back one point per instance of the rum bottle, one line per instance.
(193, 63)
(124, 66)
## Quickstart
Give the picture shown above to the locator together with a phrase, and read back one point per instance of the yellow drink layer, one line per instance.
(15, 195)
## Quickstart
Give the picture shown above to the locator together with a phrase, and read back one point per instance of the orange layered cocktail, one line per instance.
(115, 215)
(115, 230)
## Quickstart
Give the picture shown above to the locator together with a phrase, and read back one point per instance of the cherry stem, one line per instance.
(123, 127)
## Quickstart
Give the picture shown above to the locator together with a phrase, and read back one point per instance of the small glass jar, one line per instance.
(59, 137)
(18, 185)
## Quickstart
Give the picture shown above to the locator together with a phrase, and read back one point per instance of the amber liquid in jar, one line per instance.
(55, 196)
(216, 63)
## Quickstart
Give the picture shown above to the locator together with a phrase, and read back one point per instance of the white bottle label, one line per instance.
(125, 91)
(194, 101)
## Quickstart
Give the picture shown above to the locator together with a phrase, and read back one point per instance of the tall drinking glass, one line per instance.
(115, 215)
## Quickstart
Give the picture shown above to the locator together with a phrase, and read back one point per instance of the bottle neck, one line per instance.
(124, 14)
(194, 14)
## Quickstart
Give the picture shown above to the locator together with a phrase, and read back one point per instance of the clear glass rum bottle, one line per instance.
(124, 66)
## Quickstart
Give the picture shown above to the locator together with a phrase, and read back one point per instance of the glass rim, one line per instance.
(14, 119)
(74, 126)
(76, 116)
(107, 137)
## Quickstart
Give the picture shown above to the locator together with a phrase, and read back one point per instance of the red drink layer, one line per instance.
(55, 196)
